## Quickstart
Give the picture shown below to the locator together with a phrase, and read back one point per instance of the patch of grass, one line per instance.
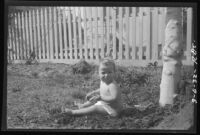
(34, 74)
(87, 77)
(47, 68)
(69, 100)
(54, 110)
(59, 78)
(44, 97)
(17, 89)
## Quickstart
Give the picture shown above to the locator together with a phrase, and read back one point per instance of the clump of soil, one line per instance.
(82, 67)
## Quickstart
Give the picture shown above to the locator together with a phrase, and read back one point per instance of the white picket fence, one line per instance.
(130, 35)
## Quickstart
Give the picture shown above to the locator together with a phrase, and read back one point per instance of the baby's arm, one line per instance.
(113, 89)
(97, 91)
(89, 95)
(94, 92)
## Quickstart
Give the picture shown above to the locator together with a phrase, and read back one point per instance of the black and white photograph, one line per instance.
(101, 67)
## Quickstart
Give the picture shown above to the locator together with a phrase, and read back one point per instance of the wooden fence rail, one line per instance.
(130, 35)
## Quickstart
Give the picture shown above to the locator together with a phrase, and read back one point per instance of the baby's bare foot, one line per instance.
(66, 111)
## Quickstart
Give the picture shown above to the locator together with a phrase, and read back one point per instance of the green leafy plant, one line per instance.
(31, 59)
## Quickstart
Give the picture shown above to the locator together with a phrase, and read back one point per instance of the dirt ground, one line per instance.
(36, 93)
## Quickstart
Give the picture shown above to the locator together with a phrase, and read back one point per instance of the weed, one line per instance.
(54, 110)
(82, 67)
(17, 89)
(47, 69)
(31, 59)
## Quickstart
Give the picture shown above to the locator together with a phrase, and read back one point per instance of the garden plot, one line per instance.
(36, 93)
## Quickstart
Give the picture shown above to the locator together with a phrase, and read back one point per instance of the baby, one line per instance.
(108, 96)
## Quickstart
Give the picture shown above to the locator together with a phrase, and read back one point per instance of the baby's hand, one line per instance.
(88, 96)
(94, 99)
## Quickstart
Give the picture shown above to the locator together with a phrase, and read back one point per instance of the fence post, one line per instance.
(75, 33)
(30, 32)
(55, 32)
(20, 36)
(133, 31)
(127, 33)
(114, 53)
(10, 46)
(120, 33)
(146, 32)
(159, 26)
(38, 30)
(70, 32)
(137, 35)
(60, 35)
(42, 37)
(85, 33)
(16, 37)
(27, 36)
(91, 33)
(160, 30)
(163, 28)
(80, 34)
(155, 34)
(65, 35)
(50, 34)
(13, 42)
(47, 22)
(140, 51)
(23, 36)
(107, 31)
(102, 33)
(96, 33)
(35, 37)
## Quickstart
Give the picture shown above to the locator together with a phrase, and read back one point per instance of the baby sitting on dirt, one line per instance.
(106, 99)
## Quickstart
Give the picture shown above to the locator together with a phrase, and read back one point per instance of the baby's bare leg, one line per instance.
(89, 110)
(86, 104)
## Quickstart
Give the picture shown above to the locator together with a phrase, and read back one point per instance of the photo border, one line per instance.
(88, 3)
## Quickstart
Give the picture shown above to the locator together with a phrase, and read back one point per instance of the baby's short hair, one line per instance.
(107, 62)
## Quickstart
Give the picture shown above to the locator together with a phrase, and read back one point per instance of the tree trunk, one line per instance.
(172, 56)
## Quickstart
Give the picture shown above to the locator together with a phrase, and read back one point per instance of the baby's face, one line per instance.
(106, 73)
